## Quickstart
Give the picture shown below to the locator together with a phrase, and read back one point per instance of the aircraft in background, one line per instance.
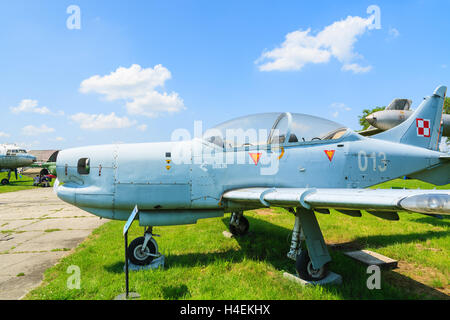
(305, 164)
(48, 166)
(394, 114)
(13, 157)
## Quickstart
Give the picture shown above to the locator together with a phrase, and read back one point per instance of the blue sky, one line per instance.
(211, 57)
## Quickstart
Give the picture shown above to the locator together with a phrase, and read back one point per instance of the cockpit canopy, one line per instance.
(273, 128)
(11, 152)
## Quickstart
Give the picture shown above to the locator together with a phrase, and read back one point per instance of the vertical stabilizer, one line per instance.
(423, 127)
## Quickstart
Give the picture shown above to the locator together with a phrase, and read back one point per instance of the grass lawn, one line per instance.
(23, 182)
(203, 264)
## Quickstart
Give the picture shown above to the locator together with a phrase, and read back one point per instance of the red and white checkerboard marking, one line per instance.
(423, 127)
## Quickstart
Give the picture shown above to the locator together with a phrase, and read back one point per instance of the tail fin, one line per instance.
(423, 127)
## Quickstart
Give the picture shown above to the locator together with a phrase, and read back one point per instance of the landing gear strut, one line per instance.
(143, 250)
(238, 224)
(311, 261)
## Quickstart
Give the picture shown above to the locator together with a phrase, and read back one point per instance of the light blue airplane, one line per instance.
(13, 157)
(304, 163)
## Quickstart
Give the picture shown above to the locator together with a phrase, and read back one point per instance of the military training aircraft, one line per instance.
(394, 114)
(304, 163)
(13, 157)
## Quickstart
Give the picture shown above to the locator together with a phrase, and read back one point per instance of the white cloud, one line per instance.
(301, 47)
(4, 134)
(356, 68)
(29, 105)
(101, 121)
(152, 104)
(137, 86)
(59, 139)
(338, 107)
(32, 130)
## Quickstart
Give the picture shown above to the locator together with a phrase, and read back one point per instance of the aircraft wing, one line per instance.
(376, 201)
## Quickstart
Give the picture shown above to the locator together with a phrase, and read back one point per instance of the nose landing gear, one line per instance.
(143, 250)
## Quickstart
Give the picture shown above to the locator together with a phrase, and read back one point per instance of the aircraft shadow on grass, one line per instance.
(270, 243)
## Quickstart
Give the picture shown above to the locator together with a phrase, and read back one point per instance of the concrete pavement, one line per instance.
(36, 231)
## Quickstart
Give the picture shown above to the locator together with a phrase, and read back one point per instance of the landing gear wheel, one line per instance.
(5, 182)
(241, 228)
(306, 270)
(140, 256)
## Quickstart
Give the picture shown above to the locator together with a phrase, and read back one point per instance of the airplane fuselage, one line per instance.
(12, 157)
(170, 188)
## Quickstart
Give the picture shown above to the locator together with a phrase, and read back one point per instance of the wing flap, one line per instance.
(423, 201)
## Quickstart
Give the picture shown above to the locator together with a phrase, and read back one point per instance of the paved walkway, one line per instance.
(36, 231)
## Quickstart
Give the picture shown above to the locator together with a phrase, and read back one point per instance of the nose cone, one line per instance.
(64, 193)
(372, 119)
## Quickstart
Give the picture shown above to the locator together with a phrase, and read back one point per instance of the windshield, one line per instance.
(272, 128)
(243, 131)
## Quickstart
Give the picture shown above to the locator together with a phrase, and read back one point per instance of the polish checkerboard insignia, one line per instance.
(423, 127)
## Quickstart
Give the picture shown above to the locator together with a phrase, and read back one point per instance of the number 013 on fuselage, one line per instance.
(300, 162)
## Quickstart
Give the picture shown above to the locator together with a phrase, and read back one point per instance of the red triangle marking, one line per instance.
(255, 157)
(330, 154)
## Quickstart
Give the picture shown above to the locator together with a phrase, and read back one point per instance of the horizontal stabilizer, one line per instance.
(386, 215)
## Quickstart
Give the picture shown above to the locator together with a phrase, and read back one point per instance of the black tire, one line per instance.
(5, 182)
(241, 229)
(135, 248)
(306, 270)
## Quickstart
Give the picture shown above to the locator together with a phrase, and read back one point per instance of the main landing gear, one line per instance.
(312, 259)
(308, 248)
(238, 224)
(143, 250)
(5, 181)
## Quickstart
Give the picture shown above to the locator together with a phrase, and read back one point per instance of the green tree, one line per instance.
(447, 105)
(362, 119)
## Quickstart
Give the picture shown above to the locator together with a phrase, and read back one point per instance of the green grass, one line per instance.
(23, 183)
(203, 264)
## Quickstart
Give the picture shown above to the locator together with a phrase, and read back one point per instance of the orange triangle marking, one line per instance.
(330, 154)
(255, 157)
